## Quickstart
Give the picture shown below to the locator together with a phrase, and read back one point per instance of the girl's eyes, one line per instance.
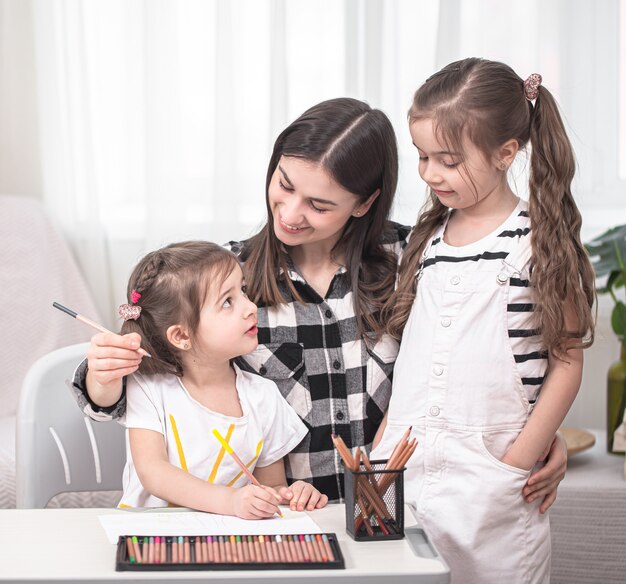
(229, 301)
(443, 162)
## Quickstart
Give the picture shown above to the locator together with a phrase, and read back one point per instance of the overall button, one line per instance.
(502, 278)
(446, 322)
(262, 370)
(455, 280)
(336, 365)
(434, 411)
(339, 415)
(328, 313)
(437, 370)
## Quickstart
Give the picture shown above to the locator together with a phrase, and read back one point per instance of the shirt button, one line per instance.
(455, 280)
(339, 415)
(434, 411)
(329, 313)
(263, 370)
(438, 370)
(336, 365)
(446, 322)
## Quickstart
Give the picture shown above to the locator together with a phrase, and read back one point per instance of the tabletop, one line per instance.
(69, 545)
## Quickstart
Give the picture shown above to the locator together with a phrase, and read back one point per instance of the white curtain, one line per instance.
(157, 117)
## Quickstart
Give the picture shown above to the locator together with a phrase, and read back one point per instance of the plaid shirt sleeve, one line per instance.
(88, 407)
(326, 372)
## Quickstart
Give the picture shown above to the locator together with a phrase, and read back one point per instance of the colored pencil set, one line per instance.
(374, 490)
(229, 552)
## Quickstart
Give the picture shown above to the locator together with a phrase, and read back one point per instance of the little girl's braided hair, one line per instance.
(173, 283)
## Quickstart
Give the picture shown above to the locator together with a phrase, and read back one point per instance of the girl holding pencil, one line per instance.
(320, 270)
(202, 433)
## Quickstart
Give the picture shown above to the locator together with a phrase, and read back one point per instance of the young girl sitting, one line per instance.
(188, 303)
(494, 305)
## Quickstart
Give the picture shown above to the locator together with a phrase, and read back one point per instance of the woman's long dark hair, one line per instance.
(356, 146)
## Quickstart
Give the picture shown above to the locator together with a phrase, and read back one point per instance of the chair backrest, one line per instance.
(58, 448)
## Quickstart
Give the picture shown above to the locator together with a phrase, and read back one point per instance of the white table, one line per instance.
(588, 519)
(69, 545)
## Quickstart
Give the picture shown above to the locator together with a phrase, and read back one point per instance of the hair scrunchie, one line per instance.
(531, 86)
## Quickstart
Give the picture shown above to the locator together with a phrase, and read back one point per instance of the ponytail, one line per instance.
(562, 274)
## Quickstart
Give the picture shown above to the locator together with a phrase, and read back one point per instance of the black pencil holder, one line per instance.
(374, 502)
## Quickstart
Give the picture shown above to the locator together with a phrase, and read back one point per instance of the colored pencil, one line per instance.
(216, 550)
(131, 551)
(239, 462)
(320, 544)
(91, 323)
(329, 550)
(168, 552)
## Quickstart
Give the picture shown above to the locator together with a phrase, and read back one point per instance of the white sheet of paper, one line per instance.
(183, 522)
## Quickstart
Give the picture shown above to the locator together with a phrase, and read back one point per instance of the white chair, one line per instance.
(36, 269)
(59, 449)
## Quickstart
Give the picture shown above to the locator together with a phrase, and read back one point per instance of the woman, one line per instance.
(320, 270)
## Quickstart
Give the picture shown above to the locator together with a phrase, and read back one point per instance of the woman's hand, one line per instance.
(544, 483)
(252, 502)
(302, 495)
(110, 357)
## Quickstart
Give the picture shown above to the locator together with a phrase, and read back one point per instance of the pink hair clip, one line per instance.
(128, 311)
(531, 86)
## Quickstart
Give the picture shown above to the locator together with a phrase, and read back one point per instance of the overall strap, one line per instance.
(429, 249)
(516, 261)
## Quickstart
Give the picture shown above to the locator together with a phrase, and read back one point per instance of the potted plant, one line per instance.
(608, 256)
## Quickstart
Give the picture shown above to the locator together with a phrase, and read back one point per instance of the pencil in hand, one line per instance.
(239, 462)
(92, 324)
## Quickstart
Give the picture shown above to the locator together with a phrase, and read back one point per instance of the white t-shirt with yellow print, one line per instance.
(268, 430)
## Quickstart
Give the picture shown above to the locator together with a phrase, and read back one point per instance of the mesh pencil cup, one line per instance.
(374, 502)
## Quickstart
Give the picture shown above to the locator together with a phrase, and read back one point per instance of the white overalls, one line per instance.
(456, 383)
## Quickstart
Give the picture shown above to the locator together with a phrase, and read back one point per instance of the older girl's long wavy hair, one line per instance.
(173, 282)
(356, 146)
(484, 101)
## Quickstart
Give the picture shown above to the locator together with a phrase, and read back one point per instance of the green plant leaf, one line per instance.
(602, 250)
(614, 281)
(618, 319)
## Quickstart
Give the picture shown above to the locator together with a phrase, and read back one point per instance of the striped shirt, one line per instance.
(322, 367)
(530, 356)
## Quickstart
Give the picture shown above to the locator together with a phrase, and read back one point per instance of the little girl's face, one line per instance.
(228, 320)
(461, 180)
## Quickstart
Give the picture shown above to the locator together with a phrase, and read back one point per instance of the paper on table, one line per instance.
(150, 522)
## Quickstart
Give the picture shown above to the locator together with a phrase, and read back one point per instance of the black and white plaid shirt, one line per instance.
(323, 368)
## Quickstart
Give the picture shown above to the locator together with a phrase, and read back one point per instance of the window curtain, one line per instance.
(157, 117)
